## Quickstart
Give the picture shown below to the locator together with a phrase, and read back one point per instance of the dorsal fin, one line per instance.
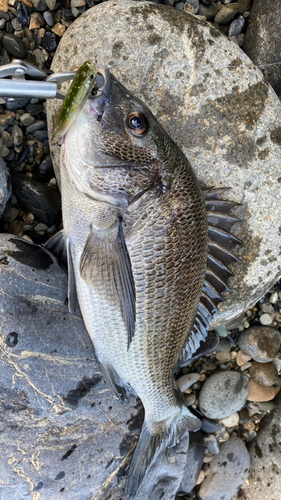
(221, 242)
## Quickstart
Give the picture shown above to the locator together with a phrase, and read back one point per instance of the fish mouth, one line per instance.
(101, 90)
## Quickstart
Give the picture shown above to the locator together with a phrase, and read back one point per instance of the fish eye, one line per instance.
(137, 123)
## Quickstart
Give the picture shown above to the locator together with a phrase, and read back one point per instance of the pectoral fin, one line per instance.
(105, 265)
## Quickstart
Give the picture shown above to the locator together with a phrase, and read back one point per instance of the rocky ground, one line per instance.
(234, 387)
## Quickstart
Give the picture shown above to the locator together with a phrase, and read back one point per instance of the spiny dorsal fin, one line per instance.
(221, 241)
(105, 265)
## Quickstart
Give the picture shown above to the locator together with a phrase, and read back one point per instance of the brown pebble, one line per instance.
(4, 5)
(28, 3)
(242, 358)
(34, 21)
(58, 29)
(28, 218)
(15, 228)
(265, 374)
(259, 393)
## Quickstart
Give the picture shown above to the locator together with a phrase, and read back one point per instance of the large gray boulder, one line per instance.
(213, 102)
(265, 454)
(263, 40)
(63, 434)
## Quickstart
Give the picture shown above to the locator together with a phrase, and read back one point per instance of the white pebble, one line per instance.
(186, 381)
(201, 477)
(230, 421)
(273, 298)
(266, 319)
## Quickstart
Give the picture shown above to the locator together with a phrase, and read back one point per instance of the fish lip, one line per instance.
(98, 102)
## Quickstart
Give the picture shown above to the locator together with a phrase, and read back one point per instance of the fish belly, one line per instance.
(167, 245)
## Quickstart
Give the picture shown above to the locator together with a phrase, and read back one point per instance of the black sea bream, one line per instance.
(148, 252)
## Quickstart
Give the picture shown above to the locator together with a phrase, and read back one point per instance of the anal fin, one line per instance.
(56, 245)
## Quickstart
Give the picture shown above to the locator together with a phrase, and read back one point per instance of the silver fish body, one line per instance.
(135, 223)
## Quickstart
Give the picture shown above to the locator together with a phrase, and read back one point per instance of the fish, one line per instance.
(78, 92)
(148, 254)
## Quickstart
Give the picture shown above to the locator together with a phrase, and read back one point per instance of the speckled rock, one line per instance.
(226, 472)
(264, 481)
(5, 186)
(212, 101)
(264, 373)
(263, 39)
(223, 394)
(61, 427)
(261, 343)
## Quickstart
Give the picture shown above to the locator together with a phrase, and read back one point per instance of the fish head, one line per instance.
(117, 143)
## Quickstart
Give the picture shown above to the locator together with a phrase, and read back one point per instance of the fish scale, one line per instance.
(148, 253)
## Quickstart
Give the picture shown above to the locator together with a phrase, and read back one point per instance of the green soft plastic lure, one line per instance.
(75, 99)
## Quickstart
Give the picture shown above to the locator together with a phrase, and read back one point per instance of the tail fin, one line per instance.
(154, 437)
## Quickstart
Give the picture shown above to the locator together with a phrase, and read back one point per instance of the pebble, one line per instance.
(34, 109)
(201, 477)
(227, 471)
(41, 135)
(273, 299)
(230, 421)
(222, 394)
(195, 4)
(51, 4)
(221, 331)
(41, 227)
(45, 170)
(189, 399)
(266, 406)
(209, 426)
(265, 374)
(211, 444)
(26, 119)
(236, 26)
(261, 343)
(42, 201)
(266, 319)
(186, 381)
(208, 458)
(49, 18)
(28, 218)
(223, 346)
(223, 357)
(37, 125)
(22, 14)
(4, 5)
(7, 139)
(259, 393)
(40, 5)
(49, 41)
(222, 435)
(15, 228)
(242, 358)
(226, 13)
(180, 5)
(14, 45)
(266, 307)
(10, 214)
(58, 29)
(17, 135)
(34, 21)
(209, 11)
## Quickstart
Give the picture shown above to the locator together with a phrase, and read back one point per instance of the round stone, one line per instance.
(258, 393)
(264, 373)
(227, 471)
(191, 77)
(261, 343)
(223, 394)
(186, 381)
(14, 45)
